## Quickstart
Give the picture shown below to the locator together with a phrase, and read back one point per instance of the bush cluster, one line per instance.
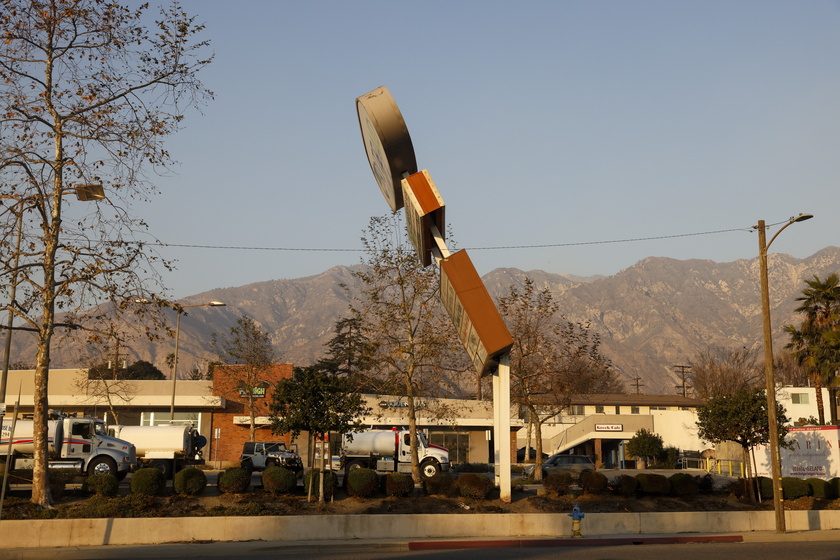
(683, 484)
(653, 484)
(362, 483)
(148, 481)
(442, 484)
(558, 483)
(279, 480)
(235, 480)
(472, 467)
(627, 485)
(400, 485)
(793, 488)
(472, 485)
(821, 488)
(101, 485)
(311, 483)
(190, 481)
(592, 482)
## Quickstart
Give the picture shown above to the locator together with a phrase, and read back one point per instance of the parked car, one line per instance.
(520, 454)
(259, 455)
(563, 463)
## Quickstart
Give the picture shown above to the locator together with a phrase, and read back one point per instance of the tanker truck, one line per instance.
(167, 448)
(390, 451)
(75, 443)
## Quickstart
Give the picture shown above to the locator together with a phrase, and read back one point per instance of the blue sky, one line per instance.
(542, 123)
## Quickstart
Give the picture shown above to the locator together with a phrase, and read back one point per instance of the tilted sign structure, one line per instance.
(480, 327)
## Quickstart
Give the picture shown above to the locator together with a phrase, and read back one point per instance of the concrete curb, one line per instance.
(325, 528)
(581, 542)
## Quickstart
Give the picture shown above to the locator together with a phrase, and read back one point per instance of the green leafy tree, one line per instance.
(90, 91)
(645, 444)
(820, 305)
(552, 359)
(250, 349)
(317, 400)
(740, 418)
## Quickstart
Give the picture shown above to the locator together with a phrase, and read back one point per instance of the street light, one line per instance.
(775, 458)
(180, 309)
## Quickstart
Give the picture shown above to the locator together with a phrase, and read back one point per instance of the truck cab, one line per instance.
(259, 455)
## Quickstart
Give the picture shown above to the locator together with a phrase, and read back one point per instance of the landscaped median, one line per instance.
(97, 532)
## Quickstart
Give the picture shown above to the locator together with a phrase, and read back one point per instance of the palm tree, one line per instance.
(820, 303)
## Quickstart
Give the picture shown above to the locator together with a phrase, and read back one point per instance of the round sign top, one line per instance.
(387, 143)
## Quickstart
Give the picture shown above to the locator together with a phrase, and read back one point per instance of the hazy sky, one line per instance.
(552, 123)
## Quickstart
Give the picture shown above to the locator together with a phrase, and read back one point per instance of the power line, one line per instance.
(490, 248)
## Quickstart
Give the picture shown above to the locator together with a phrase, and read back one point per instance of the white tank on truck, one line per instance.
(75, 443)
(168, 447)
(390, 451)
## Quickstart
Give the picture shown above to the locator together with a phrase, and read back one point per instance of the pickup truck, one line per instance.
(259, 455)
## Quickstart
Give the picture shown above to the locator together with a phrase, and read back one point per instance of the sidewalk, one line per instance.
(265, 548)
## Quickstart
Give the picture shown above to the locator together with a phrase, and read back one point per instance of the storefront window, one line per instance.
(458, 444)
(159, 418)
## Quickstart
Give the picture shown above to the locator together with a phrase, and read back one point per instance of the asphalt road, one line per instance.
(822, 549)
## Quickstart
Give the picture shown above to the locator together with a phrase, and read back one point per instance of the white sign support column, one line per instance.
(501, 427)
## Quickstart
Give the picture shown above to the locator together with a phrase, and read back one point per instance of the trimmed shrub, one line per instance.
(706, 483)
(311, 482)
(101, 485)
(234, 480)
(627, 486)
(834, 483)
(148, 481)
(669, 457)
(442, 484)
(653, 484)
(765, 486)
(58, 482)
(794, 488)
(472, 485)
(558, 483)
(592, 482)
(279, 480)
(683, 484)
(362, 483)
(400, 485)
(821, 488)
(190, 481)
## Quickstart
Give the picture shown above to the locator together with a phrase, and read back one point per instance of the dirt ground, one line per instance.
(525, 499)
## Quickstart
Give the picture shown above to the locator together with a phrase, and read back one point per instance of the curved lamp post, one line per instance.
(775, 458)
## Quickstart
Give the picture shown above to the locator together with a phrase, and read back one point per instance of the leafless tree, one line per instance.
(552, 359)
(718, 371)
(91, 89)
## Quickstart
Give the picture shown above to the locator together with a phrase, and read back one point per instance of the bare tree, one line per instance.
(552, 359)
(247, 351)
(90, 90)
(416, 352)
(717, 372)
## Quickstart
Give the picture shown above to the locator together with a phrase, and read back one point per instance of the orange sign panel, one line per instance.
(480, 326)
(424, 208)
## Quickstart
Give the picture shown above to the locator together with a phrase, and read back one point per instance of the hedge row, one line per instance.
(643, 484)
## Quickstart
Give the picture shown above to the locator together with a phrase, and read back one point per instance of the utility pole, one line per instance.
(683, 388)
(637, 382)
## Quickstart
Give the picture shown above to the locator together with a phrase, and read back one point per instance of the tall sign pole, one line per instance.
(480, 327)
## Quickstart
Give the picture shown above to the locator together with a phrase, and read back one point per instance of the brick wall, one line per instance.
(227, 382)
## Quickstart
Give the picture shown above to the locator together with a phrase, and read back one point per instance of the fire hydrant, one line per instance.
(576, 516)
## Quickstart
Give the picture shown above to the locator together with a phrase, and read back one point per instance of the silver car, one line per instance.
(564, 463)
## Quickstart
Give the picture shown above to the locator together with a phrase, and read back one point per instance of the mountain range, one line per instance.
(652, 317)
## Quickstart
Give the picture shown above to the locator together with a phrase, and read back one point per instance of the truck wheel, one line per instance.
(164, 467)
(248, 466)
(272, 463)
(102, 465)
(429, 469)
(353, 465)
